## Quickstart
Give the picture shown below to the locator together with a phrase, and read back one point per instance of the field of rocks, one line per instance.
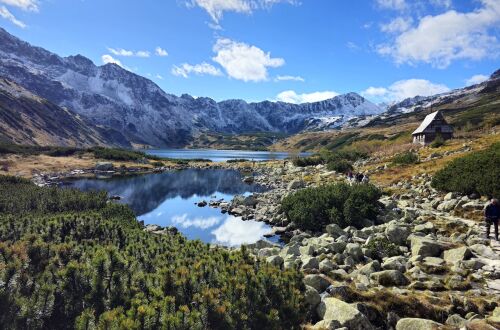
(421, 267)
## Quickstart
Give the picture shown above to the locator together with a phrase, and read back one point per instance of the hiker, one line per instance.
(491, 216)
(359, 177)
(350, 177)
(365, 179)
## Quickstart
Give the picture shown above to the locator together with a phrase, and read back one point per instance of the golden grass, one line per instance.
(26, 166)
(394, 174)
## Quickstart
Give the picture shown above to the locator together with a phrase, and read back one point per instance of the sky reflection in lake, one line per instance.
(169, 199)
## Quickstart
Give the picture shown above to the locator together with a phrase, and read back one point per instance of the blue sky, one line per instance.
(290, 50)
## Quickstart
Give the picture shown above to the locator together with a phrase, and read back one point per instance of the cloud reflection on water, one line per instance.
(234, 232)
(199, 222)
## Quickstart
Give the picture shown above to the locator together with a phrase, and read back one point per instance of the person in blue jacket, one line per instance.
(491, 216)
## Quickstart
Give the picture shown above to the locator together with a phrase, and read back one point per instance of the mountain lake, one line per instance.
(221, 155)
(170, 198)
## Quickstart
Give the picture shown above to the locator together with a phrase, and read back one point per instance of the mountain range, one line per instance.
(110, 96)
(48, 99)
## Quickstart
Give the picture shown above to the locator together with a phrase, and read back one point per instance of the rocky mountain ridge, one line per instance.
(111, 96)
(456, 98)
(26, 118)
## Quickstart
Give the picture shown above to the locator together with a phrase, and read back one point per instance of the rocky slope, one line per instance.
(111, 96)
(26, 118)
(444, 272)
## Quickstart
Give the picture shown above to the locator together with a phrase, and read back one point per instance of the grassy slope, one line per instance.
(469, 113)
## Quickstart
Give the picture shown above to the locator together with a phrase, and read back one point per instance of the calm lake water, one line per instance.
(219, 155)
(168, 199)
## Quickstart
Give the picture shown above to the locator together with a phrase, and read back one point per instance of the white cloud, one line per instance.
(121, 52)
(5, 13)
(397, 25)
(476, 79)
(128, 53)
(392, 4)
(142, 53)
(375, 91)
(216, 8)
(159, 77)
(441, 3)
(403, 89)
(244, 62)
(161, 52)
(198, 222)
(292, 97)
(23, 4)
(234, 232)
(204, 68)
(352, 46)
(441, 39)
(289, 78)
(106, 59)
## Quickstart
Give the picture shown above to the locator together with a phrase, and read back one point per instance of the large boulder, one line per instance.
(447, 205)
(369, 268)
(312, 296)
(354, 251)
(318, 282)
(389, 278)
(397, 233)
(484, 251)
(104, 166)
(425, 247)
(296, 184)
(326, 265)
(417, 324)
(456, 320)
(309, 263)
(240, 200)
(395, 263)
(334, 230)
(453, 256)
(290, 250)
(337, 247)
(342, 314)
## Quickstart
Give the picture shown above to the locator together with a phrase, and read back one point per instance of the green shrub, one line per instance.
(339, 165)
(307, 161)
(340, 203)
(238, 160)
(20, 196)
(157, 164)
(477, 172)
(79, 267)
(117, 154)
(406, 158)
(54, 151)
(382, 247)
(326, 156)
(438, 142)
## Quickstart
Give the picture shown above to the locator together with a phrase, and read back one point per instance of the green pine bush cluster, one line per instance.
(340, 161)
(381, 247)
(477, 172)
(438, 142)
(339, 203)
(88, 265)
(406, 158)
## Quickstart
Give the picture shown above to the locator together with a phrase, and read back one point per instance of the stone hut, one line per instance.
(433, 125)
